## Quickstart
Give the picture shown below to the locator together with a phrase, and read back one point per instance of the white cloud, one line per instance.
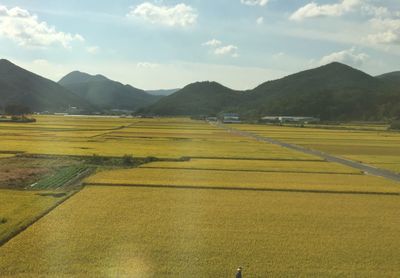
(254, 2)
(218, 49)
(387, 31)
(313, 10)
(376, 11)
(179, 15)
(349, 57)
(227, 50)
(25, 29)
(93, 49)
(260, 20)
(387, 37)
(147, 65)
(213, 43)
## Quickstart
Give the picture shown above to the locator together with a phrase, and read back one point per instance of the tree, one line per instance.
(395, 125)
(128, 160)
(17, 110)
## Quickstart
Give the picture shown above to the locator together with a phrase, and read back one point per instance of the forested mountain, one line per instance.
(331, 92)
(105, 93)
(21, 87)
(200, 98)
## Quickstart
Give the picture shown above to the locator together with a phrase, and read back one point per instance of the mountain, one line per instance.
(80, 77)
(162, 92)
(200, 98)
(331, 92)
(21, 87)
(392, 77)
(105, 93)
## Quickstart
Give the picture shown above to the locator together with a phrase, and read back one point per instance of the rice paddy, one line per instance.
(244, 180)
(6, 155)
(132, 232)
(377, 147)
(20, 208)
(164, 138)
(231, 200)
(257, 166)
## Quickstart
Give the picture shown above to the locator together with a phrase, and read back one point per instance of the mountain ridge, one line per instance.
(332, 92)
(22, 87)
(105, 93)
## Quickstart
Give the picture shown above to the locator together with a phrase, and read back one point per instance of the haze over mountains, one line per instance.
(106, 94)
(165, 92)
(331, 92)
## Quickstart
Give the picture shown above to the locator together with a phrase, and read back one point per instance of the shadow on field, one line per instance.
(55, 195)
(250, 189)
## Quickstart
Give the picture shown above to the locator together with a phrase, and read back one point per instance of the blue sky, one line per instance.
(168, 44)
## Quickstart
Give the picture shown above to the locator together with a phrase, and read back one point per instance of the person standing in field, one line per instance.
(239, 272)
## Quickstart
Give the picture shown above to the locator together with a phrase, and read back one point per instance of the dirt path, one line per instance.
(356, 165)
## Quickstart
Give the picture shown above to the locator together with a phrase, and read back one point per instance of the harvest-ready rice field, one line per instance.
(198, 202)
(144, 232)
(19, 208)
(244, 180)
(165, 138)
(380, 148)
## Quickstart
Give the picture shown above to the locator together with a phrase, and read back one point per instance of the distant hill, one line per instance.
(105, 93)
(201, 98)
(19, 86)
(162, 92)
(393, 77)
(331, 92)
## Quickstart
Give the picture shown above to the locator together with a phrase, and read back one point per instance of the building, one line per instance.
(289, 119)
(72, 110)
(231, 118)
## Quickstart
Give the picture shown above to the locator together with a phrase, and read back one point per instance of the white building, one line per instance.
(289, 119)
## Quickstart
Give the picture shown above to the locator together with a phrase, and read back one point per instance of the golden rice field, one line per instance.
(234, 201)
(6, 155)
(354, 126)
(139, 232)
(18, 208)
(244, 180)
(164, 138)
(377, 147)
(257, 166)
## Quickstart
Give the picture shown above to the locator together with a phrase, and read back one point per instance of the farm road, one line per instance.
(356, 165)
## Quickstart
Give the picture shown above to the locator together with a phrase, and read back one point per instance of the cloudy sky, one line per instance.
(168, 44)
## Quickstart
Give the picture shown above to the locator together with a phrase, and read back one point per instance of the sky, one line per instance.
(165, 44)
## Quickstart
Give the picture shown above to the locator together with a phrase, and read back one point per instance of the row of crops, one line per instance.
(61, 177)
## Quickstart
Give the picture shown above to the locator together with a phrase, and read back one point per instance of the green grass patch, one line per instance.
(60, 178)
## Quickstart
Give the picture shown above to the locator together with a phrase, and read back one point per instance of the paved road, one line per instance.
(356, 165)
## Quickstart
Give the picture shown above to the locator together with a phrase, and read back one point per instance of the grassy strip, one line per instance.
(100, 160)
(61, 178)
